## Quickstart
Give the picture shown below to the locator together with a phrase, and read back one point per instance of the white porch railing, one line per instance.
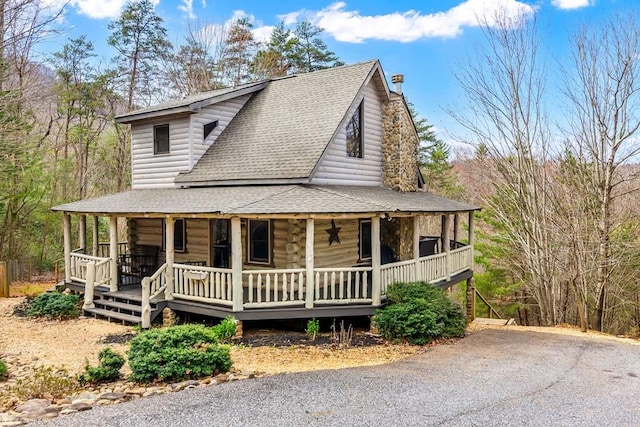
(274, 288)
(151, 288)
(433, 268)
(342, 285)
(79, 263)
(204, 284)
(460, 259)
(403, 271)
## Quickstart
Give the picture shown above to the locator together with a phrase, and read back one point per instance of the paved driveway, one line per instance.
(492, 378)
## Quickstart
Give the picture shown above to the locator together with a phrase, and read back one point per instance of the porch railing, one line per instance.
(271, 288)
(460, 259)
(79, 263)
(203, 284)
(342, 285)
(403, 271)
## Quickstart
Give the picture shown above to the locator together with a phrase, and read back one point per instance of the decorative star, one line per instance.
(333, 233)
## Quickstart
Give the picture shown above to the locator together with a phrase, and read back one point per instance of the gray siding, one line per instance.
(337, 168)
(185, 142)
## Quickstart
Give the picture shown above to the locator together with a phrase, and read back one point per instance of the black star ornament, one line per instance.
(333, 233)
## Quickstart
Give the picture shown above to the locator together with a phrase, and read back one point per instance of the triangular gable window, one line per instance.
(354, 134)
(209, 127)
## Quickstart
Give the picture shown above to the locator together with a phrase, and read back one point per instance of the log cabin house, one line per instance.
(296, 197)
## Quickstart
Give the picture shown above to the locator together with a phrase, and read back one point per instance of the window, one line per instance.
(365, 239)
(220, 243)
(354, 134)
(208, 128)
(161, 139)
(259, 241)
(179, 235)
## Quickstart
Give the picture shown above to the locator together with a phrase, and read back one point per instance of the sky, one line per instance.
(427, 40)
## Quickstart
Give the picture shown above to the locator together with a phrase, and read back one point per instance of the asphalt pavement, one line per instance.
(491, 378)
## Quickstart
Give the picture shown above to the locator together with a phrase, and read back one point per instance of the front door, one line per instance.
(220, 243)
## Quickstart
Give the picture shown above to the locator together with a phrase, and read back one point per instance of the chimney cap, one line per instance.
(397, 78)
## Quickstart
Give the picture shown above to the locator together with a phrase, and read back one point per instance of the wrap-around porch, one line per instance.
(249, 291)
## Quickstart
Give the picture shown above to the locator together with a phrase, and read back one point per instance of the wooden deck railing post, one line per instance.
(471, 300)
(113, 253)
(236, 264)
(66, 223)
(95, 233)
(82, 233)
(146, 304)
(471, 237)
(416, 248)
(4, 280)
(376, 297)
(170, 257)
(90, 285)
(446, 243)
(309, 263)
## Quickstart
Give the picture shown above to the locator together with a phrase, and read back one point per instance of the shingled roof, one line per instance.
(266, 199)
(282, 131)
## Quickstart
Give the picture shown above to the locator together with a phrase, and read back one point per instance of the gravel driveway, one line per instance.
(493, 377)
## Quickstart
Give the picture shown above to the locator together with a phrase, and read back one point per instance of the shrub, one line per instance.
(419, 313)
(54, 305)
(44, 383)
(107, 370)
(312, 329)
(176, 353)
(225, 330)
(4, 370)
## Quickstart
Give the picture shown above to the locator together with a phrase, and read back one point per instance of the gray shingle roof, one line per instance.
(187, 103)
(270, 199)
(283, 130)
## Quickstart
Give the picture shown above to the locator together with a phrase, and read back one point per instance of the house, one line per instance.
(296, 197)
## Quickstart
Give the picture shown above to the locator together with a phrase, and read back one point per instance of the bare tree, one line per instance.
(604, 91)
(504, 89)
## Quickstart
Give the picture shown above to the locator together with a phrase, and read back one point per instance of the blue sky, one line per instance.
(424, 40)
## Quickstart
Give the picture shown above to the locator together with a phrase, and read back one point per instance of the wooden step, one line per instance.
(119, 305)
(123, 297)
(113, 315)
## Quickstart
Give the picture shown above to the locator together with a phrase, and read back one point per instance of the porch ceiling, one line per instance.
(266, 199)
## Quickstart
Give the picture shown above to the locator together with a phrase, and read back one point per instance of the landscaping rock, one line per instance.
(33, 405)
(184, 384)
(112, 396)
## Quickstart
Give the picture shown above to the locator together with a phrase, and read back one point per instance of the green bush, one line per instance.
(54, 305)
(176, 353)
(107, 370)
(225, 330)
(419, 313)
(4, 370)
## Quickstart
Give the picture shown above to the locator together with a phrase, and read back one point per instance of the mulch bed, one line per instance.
(275, 338)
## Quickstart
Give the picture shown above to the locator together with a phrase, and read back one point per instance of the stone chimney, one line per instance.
(397, 80)
(399, 143)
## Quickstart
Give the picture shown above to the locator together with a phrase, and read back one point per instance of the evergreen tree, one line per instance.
(241, 48)
(310, 52)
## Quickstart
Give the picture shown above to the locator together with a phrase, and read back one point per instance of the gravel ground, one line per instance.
(493, 377)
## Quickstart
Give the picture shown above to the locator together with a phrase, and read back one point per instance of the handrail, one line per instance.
(154, 278)
(490, 309)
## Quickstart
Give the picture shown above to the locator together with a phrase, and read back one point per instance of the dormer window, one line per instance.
(208, 128)
(354, 134)
(161, 139)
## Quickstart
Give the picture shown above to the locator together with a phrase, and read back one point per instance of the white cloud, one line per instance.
(570, 4)
(290, 18)
(187, 8)
(96, 9)
(262, 34)
(352, 27)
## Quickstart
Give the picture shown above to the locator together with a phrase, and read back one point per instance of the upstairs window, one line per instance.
(208, 128)
(260, 241)
(354, 134)
(161, 139)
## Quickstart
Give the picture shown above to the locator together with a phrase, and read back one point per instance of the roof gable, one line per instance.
(282, 132)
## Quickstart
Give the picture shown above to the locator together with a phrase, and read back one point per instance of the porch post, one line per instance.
(308, 263)
(416, 248)
(471, 237)
(113, 252)
(236, 264)
(82, 233)
(375, 261)
(170, 256)
(66, 223)
(90, 286)
(446, 243)
(456, 226)
(96, 239)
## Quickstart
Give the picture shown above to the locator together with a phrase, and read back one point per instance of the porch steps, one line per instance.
(122, 307)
